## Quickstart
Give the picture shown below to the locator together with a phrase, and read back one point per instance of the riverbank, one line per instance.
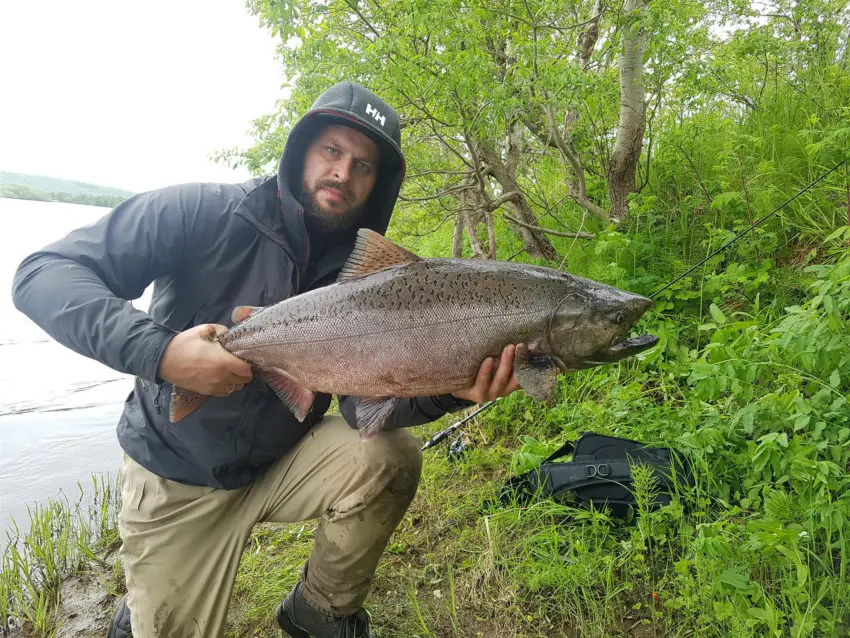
(60, 570)
(758, 547)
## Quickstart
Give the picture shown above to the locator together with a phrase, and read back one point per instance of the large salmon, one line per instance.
(395, 325)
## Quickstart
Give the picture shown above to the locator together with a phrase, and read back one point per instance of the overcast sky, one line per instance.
(134, 95)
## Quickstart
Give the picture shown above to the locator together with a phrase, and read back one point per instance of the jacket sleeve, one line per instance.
(78, 288)
(409, 412)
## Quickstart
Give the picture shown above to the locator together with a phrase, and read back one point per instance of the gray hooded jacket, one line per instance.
(209, 248)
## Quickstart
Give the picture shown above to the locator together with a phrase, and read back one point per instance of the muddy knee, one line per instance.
(396, 454)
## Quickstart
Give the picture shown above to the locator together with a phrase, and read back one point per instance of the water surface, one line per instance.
(58, 409)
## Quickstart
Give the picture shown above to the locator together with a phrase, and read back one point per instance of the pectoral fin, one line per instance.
(183, 403)
(293, 395)
(536, 375)
(372, 413)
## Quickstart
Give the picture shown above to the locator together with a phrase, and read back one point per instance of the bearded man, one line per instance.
(193, 491)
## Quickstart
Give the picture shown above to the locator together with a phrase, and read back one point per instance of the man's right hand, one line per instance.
(194, 361)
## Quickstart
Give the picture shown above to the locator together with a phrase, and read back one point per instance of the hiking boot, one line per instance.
(299, 620)
(121, 622)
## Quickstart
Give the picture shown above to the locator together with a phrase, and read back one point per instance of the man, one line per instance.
(192, 491)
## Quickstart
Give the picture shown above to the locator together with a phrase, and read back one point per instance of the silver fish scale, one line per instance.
(412, 330)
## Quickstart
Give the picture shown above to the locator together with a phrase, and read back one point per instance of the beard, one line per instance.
(319, 220)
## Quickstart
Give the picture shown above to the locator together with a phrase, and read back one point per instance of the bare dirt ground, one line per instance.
(86, 609)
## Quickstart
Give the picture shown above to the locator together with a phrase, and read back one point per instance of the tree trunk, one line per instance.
(474, 242)
(621, 173)
(535, 242)
(457, 237)
(548, 132)
(491, 235)
(467, 217)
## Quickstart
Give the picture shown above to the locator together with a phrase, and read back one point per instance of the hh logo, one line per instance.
(370, 110)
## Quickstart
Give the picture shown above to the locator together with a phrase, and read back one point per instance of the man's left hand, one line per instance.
(495, 379)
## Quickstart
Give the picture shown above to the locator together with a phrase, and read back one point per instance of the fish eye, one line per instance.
(620, 317)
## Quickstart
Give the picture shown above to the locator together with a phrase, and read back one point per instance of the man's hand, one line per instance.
(194, 361)
(492, 381)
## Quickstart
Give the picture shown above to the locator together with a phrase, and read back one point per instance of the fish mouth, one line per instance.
(616, 352)
(631, 346)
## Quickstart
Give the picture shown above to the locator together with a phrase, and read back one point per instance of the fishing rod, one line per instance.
(444, 434)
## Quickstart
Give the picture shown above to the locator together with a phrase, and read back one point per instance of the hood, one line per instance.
(349, 104)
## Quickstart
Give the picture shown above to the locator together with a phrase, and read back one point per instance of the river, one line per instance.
(58, 410)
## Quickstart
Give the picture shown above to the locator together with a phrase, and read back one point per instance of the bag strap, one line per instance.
(558, 477)
(572, 476)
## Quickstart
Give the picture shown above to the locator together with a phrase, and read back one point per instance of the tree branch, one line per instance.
(575, 235)
(493, 204)
(442, 193)
(580, 194)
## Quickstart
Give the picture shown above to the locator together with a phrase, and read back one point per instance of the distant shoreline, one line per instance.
(15, 191)
(43, 188)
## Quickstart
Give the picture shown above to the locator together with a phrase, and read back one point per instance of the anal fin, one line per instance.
(538, 376)
(293, 395)
(372, 413)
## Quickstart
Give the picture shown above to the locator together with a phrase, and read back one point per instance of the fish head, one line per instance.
(590, 327)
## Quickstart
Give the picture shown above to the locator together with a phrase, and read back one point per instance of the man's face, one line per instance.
(340, 168)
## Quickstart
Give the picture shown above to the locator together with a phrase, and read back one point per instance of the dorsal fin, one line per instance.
(374, 252)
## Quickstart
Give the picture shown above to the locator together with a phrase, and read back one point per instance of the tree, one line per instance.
(481, 81)
(533, 123)
(627, 148)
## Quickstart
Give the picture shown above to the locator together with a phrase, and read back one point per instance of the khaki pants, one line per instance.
(182, 543)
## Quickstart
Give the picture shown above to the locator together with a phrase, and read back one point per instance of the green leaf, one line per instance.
(834, 379)
(841, 230)
(734, 578)
(762, 614)
(717, 314)
(828, 303)
(801, 421)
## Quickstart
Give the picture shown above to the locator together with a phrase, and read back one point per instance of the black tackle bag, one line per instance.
(600, 474)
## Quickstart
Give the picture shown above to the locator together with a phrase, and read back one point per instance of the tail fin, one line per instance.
(183, 403)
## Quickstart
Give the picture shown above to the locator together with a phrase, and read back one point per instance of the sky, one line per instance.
(134, 95)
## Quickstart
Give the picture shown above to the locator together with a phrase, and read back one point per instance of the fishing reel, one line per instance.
(462, 444)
